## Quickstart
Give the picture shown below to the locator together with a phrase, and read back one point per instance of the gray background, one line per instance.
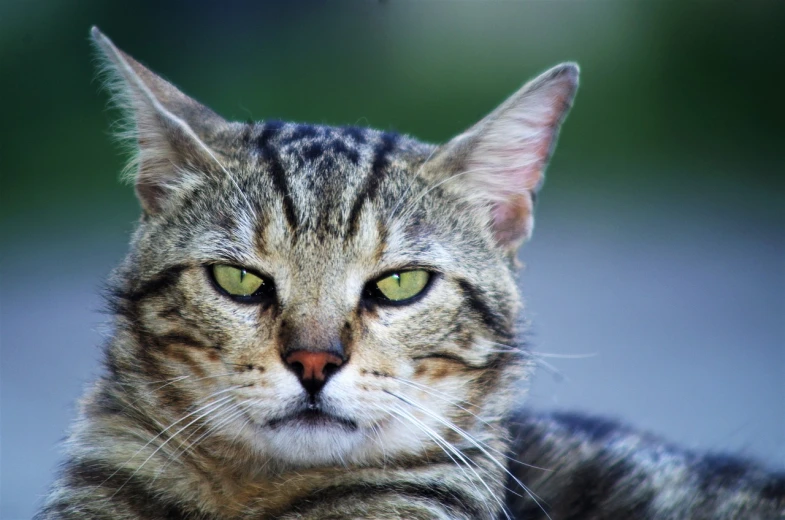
(659, 251)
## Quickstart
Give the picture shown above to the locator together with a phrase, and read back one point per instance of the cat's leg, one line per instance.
(597, 469)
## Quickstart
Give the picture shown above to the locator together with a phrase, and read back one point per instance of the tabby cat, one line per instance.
(321, 322)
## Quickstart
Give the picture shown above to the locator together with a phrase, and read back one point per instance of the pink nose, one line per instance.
(313, 366)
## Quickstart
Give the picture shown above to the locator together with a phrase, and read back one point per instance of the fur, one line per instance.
(198, 416)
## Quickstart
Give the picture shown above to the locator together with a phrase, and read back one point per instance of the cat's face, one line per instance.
(324, 295)
(357, 212)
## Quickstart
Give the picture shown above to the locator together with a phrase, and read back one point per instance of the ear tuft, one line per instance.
(169, 129)
(500, 162)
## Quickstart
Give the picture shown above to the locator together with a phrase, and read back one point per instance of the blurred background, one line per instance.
(658, 263)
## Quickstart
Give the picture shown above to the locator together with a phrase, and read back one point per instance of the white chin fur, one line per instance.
(311, 445)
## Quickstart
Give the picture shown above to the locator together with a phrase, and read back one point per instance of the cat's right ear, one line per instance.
(169, 128)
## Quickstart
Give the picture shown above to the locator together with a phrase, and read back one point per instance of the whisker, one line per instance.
(555, 372)
(432, 187)
(445, 396)
(486, 423)
(227, 412)
(508, 348)
(440, 395)
(183, 378)
(245, 422)
(563, 356)
(230, 389)
(233, 411)
(466, 462)
(168, 382)
(216, 405)
(137, 383)
(140, 450)
(377, 430)
(476, 443)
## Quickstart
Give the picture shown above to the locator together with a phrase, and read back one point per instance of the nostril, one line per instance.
(298, 368)
(330, 369)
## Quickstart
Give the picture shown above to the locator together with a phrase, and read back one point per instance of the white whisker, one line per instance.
(563, 356)
(409, 187)
(476, 443)
(432, 187)
(431, 391)
(216, 405)
(450, 450)
(228, 414)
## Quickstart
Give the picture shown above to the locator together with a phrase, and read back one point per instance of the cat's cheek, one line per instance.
(360, 396)
(387, 426)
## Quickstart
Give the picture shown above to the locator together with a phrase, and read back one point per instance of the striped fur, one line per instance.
(601, 470)
(198, 417)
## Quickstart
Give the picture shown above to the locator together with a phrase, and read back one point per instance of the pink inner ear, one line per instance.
(513, 160)
(512, 219)
(504, 156)
(513, 170)
(520, 164)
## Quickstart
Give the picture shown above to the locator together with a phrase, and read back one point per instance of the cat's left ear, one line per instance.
(500, 162)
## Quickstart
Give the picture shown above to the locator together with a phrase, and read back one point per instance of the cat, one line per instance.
(323, 322)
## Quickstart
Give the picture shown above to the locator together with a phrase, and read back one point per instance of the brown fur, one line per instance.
(195, 411)
(200, 415)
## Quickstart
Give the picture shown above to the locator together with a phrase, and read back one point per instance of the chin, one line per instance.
(311, 442)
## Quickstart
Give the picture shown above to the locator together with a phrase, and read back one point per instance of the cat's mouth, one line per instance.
(313, 416)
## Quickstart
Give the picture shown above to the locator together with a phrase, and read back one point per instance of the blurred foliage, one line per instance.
(676, 97)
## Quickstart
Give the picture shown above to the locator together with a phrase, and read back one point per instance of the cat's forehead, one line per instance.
(322, 179)
(317, 156)
(311, 199)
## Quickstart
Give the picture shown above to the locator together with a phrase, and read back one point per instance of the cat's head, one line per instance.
(320, 294)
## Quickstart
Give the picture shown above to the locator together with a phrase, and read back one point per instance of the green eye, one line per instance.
(404, 285)
(236, 281)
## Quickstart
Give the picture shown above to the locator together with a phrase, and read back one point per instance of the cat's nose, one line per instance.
(313, 368)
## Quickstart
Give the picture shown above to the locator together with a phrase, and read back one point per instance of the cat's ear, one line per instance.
(170, 129)
(500, 161)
